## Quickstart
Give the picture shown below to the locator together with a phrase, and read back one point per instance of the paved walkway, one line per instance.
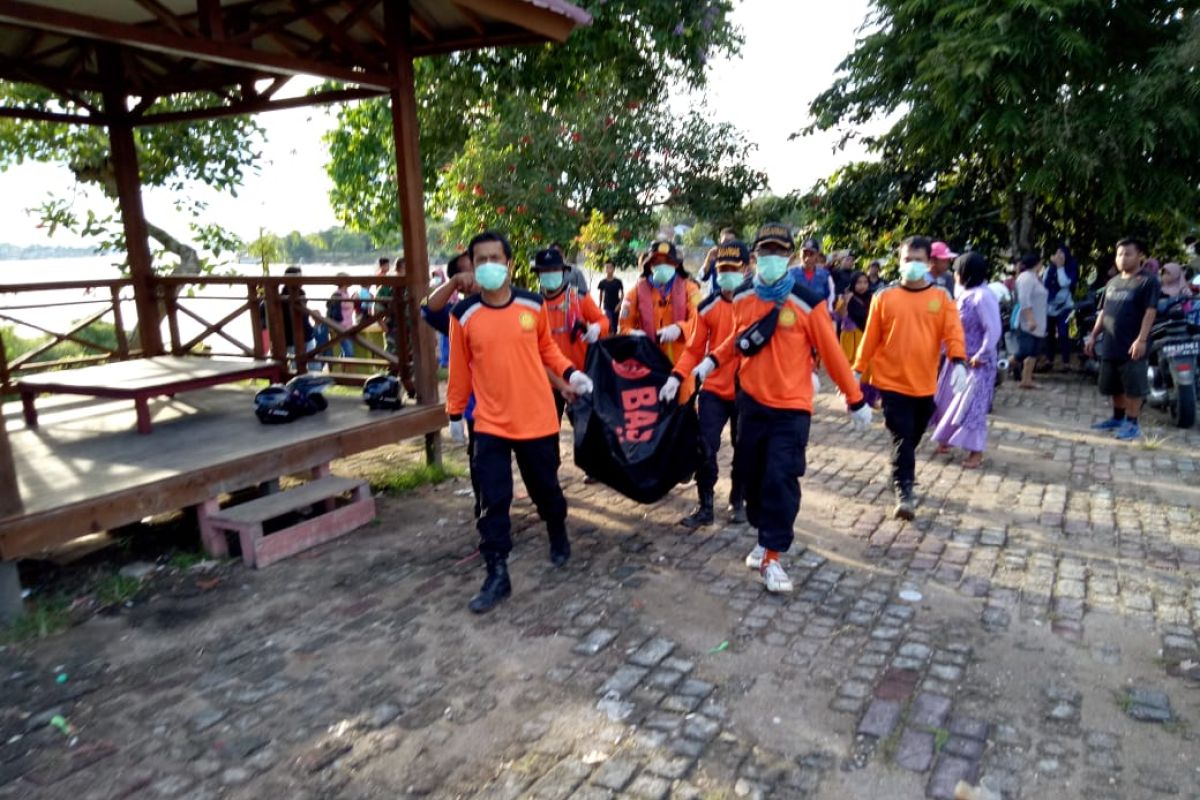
(1034, 633)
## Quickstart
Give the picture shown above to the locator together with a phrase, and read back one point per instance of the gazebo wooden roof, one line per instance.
(245, 51)
(109, 61)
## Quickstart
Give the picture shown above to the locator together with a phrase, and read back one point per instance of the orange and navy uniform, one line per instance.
(714, 325)
(563, 312)
(501, 354)
(906, 331)
(664, 314)
(780, 375)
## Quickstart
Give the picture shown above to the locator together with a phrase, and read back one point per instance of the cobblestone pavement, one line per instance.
(1033, 634)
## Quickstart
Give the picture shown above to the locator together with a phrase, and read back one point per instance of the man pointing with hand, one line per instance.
(777, 325)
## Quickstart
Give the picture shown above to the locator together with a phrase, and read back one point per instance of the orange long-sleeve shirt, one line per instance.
(714, 324)
(562, 311)
(780, 375)
(501, 354)
(664, 315)
(906, 331)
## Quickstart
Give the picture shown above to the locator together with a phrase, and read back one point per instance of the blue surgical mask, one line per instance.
(771, 268)
(490, 276)
(913, 270)
(550, 281)
(728, 281)
(663, 273)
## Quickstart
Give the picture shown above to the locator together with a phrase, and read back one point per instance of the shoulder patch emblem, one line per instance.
(935, 305)
(787, 317)
(527, 321)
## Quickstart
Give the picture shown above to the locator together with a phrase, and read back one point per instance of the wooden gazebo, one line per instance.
(110, 61)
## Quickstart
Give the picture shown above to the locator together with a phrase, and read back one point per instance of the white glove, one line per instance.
(704, 367)
(858, 377)
(958, 379)
(669, 390)
(637, 332)
(816, 380)
(593, 333)
(861, 419)
(670, 333)
(580, 383)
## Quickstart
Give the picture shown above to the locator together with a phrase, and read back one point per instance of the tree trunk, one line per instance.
(1025, 236)
(189, 259)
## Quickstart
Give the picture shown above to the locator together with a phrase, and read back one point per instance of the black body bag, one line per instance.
(624, 437)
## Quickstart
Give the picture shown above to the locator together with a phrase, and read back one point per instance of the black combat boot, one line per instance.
(737, 507)
(496, 585)
(560, 549)
(703, 515)
(906, 504)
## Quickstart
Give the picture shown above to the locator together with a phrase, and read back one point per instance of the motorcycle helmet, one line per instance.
(382, 392)
(271, 405)
(305, 393)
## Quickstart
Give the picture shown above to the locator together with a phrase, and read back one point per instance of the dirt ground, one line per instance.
(1032, 634)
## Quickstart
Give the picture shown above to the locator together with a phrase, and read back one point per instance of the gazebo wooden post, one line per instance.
(410, 186)
(11, 604)
(137, 244)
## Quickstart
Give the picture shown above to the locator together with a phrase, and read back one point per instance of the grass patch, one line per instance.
(407, 479)
(1153, 441)
(184, 560)
(43, 618)
(940, 737)
(116, 589)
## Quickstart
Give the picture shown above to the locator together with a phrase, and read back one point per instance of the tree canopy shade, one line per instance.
(533, 140)
(1044, 119)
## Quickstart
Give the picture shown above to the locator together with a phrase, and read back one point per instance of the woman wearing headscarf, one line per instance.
(1059, 278)
(1172, 286)
(852, 308)
(961, 419)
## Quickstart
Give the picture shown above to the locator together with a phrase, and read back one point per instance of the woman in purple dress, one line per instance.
(961, 419)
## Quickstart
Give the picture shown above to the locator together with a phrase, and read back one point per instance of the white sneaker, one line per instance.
(775, 579)
(754, 560)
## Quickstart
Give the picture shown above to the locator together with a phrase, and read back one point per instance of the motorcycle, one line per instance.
(1083, 316)
(1172, 357)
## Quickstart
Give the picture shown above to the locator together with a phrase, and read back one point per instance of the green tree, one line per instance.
(268, 249)
(1042, 119)
(533, 140)
(217, 153)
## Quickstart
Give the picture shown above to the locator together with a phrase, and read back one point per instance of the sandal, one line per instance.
(942, 449)
(973, 461)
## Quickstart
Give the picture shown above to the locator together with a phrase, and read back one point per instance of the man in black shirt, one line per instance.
(1120, 337)
(612, 292)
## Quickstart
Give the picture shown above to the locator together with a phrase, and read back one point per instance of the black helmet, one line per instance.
(271, 405)
(664, 251)
(382, 391)
(304, 393)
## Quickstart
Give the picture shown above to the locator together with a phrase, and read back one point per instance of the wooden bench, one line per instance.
(335, 517)
(142, 378)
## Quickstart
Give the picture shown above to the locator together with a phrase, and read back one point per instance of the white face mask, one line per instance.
(914, 270)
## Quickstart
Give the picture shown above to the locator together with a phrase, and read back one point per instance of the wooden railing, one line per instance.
(20, 306)
(251, 317)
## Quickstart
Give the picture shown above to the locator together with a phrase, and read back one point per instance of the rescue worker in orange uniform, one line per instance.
(714, 325)
(908, 327)
(778, 324)
(663, 304)
(575, 320)
(501, 350)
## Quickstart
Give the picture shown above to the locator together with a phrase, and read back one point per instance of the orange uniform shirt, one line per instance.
(906, 331)
(501, 354)
(664, 315)
(780, 375)
(714, 324)
(563, 311)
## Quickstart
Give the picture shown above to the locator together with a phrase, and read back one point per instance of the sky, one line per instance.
(789, 56)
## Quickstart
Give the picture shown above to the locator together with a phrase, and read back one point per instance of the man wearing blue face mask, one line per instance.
(575, 319)
(663, 304)
(714, 324)
(778, 325)
(907, 327)
(500, 352)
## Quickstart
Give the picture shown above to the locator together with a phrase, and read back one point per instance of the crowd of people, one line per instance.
(750, 334)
